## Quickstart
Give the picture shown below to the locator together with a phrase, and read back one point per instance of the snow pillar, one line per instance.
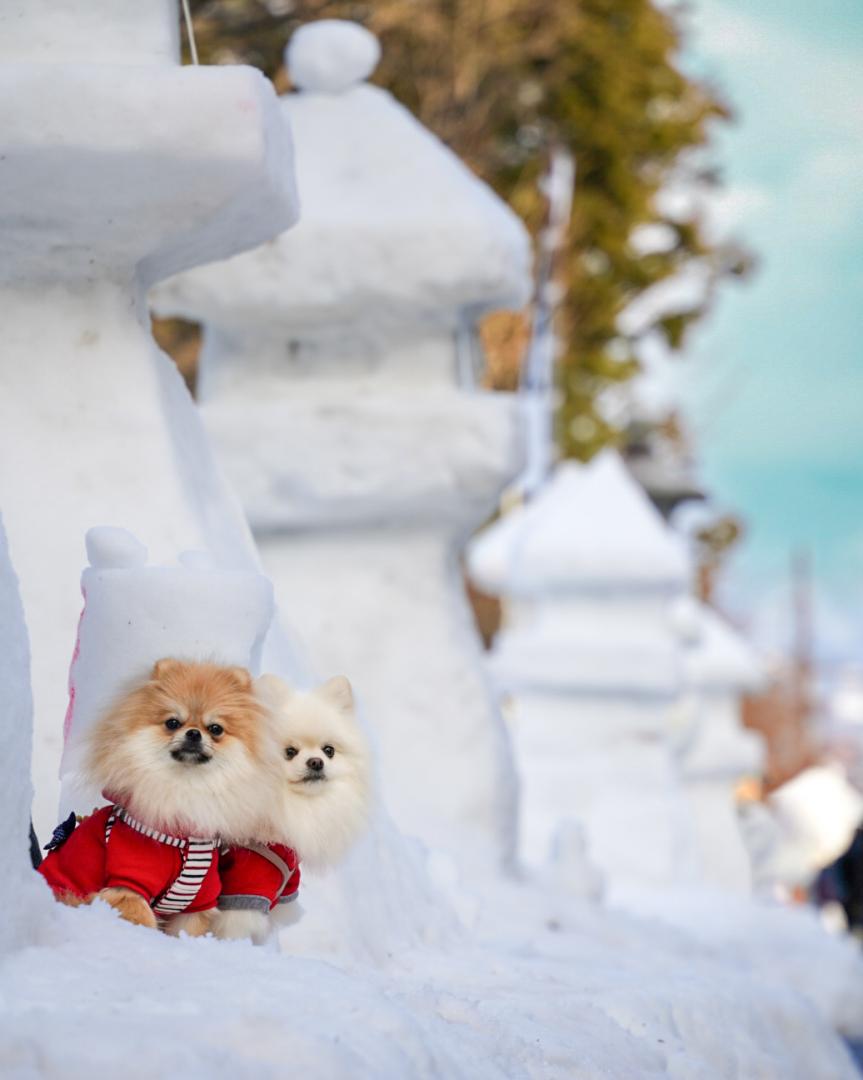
(117, 167)
(337, 382)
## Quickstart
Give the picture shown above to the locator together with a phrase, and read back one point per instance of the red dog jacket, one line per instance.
(110, 849)
(258, 878)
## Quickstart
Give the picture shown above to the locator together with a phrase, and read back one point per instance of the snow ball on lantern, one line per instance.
(331, 55)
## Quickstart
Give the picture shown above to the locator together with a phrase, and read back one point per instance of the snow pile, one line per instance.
(135, 614)
(24, 901)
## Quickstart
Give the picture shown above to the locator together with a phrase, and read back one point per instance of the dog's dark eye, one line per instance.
(215, 730)
(329, 750)
(172, 723)
(290, 752)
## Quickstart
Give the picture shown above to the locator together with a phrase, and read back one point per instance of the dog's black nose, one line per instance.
(193, 735)
(315, 764)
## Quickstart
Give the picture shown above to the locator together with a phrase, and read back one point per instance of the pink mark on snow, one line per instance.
(67, 723)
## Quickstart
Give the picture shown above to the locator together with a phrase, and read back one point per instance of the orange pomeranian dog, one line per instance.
(182, 760)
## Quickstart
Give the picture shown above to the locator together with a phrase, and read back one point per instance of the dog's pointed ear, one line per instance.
(241, 676)
(272, 690)
(164, 667)
(337, 691)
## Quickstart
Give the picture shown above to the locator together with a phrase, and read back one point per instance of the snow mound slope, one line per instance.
(573, 993)
(765, 940)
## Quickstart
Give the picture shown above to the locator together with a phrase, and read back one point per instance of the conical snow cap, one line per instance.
(393, 227)
(590, 528)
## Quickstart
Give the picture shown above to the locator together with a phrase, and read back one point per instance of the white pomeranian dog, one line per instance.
(319, 808)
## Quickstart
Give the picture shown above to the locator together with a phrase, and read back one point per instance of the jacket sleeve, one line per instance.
(292, 886)
(78, 865)
(249, 882)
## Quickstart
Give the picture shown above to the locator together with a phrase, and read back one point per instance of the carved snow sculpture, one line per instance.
(592, 663)
(337, 384)
(24, 899)
(117, 167)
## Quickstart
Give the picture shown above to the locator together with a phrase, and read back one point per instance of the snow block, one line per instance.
(134, 614)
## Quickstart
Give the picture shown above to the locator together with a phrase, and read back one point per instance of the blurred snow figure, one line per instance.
(570, 865)
(592, 662)
(800, 828)
(135, 614)
(716, 751)
(338, 382)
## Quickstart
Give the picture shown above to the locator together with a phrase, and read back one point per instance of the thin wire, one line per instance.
(190, 30)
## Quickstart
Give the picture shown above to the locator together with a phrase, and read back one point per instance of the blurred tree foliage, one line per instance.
(500, 81)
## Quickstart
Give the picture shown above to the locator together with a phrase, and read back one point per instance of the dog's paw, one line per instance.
(236, 925)
(195, 924)
(132, 907)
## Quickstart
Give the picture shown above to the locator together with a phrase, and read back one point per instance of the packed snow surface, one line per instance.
(546, 988)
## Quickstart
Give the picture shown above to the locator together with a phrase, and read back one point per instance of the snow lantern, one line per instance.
(338, 384)
(135, 614)
(24, 898)
(592, 663)
(718, 752)
(117, 167)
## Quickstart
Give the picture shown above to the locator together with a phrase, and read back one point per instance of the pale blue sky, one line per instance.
(775, 377)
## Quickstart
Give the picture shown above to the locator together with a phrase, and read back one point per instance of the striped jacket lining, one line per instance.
(197, 859)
